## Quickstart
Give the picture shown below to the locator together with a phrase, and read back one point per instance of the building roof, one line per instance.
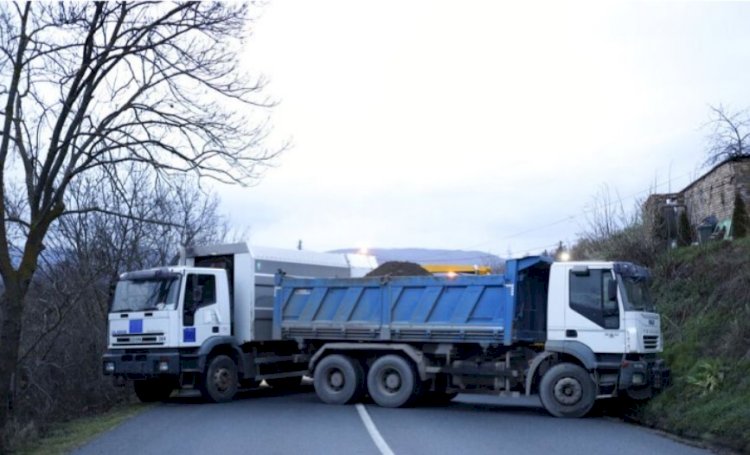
(718, 165)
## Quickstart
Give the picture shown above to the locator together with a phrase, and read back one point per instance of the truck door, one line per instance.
(593, 313)
(201, 315)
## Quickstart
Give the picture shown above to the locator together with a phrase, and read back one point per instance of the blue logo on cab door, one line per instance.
(188, 334)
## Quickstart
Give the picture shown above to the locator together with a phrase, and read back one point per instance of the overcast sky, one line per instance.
(480, 125)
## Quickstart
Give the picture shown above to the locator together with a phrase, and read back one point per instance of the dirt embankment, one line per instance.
(703, 295)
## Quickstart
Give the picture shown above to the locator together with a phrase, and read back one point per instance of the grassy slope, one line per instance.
(703, 294)
(64, 437)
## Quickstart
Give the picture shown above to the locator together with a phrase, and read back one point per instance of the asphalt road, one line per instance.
(270, 422)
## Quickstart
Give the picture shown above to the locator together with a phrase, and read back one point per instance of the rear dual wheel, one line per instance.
(339, 379)
(392, 382)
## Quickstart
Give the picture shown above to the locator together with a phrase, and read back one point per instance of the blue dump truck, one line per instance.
(231, 316)
(569, 332)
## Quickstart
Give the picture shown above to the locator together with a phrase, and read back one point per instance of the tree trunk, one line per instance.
(11, 309)
(17, 284)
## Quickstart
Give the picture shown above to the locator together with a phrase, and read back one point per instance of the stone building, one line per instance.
(712, 194)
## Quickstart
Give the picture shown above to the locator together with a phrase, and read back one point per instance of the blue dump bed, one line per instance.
(498, 309)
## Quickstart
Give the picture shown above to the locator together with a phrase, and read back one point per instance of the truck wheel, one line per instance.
(151, 390)
(220, 381)
(392, 382)
(566, 390)
(285, 383)
(338, 379)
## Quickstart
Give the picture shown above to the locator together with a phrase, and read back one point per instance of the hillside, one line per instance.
(703, 294)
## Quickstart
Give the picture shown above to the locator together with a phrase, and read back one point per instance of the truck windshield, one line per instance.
(141, 295)
(637, 295)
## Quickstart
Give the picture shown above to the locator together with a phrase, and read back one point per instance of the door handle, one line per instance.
(571, 333)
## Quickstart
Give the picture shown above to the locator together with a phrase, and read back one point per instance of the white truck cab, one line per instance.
(605, 305)
(605, 309)
(169, 307)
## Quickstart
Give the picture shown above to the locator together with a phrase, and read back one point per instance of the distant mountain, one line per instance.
(431, 256)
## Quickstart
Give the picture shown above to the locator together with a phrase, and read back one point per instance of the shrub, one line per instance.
(684, 232)
(740, 221)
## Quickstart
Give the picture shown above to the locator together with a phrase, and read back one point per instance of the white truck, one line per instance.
(206, 323)
(569, 332)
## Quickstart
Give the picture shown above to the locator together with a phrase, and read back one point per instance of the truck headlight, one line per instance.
(109, 367)
(163, 366)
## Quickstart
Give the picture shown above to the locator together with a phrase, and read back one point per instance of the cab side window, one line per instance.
(590, 297)
(200, 290)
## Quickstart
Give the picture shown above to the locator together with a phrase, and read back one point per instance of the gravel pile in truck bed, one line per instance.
(399, 268)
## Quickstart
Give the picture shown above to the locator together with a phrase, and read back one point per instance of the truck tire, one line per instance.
(392, 382)
(151, 390)
(220, 381)
(338, 379)
(566, 390)
(291, 382)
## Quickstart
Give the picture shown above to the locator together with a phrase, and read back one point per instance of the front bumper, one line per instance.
(661, 375)
(644, 374)
(141, 365)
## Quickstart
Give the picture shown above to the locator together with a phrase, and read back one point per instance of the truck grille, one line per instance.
(151, 339)
(650, 341)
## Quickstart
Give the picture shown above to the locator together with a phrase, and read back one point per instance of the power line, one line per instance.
(553, 223)
(583, 211)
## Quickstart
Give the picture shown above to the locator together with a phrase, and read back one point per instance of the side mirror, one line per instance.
(609, 306)
(612, 291)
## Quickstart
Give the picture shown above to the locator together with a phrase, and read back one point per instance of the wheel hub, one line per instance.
(568, 391)
(336, 379)
(222, 379)
(392, 381)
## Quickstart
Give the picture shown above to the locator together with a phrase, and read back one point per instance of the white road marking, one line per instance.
(377, 438)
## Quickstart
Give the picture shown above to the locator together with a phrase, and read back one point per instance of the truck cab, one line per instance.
(174, 307)
(603, 312)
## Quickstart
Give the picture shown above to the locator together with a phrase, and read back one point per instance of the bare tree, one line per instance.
(605, 214)
(613, 233)
(65, 315)
(730, 135)
(92, 87)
